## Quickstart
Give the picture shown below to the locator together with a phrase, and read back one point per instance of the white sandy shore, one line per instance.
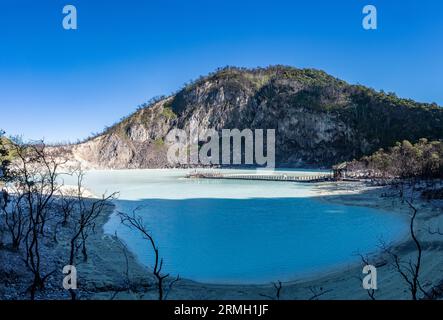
(339, 284)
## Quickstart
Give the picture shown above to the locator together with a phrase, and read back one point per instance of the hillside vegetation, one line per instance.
(319, 120)
(423, 160)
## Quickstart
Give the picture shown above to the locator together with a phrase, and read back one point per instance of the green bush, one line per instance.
(168, 113)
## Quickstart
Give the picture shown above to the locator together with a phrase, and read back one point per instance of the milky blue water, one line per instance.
(227, 231)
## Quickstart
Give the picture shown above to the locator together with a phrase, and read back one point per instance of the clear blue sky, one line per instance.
(62, 85)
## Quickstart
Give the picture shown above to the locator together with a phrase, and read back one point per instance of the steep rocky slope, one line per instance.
(319, 120)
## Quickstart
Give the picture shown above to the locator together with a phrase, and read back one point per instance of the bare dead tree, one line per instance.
(14, 216)
(84, 217)
(136, 223)
(128, 285)
(34, 175)
(171, 285)
(67, 206)
(277, 287)
(48, 175)
(34, 180)
(410, 271)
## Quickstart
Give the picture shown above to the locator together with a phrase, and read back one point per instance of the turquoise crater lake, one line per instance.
(230, 231)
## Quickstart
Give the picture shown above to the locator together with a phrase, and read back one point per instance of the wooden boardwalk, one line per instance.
(262, 177)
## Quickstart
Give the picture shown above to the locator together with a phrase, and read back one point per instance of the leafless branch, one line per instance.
(278, 287)
(317, 293)
(136, 223)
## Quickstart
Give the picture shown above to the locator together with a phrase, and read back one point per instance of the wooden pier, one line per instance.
(262, 177)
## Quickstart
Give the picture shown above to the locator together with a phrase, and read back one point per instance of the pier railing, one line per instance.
(262, 177)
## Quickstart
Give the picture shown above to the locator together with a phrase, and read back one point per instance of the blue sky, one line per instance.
(64, 84)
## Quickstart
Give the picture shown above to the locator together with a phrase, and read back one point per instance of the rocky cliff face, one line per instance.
(319, 120)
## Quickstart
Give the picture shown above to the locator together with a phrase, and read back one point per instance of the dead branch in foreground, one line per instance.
(136, 223)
